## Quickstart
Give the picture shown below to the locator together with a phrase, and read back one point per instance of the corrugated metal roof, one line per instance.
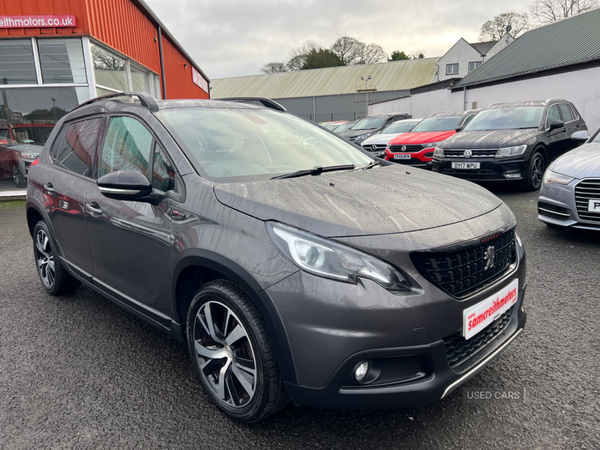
(389, 76)
(560, 44)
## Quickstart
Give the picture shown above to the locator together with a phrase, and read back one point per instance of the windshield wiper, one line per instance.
(317, 170)
(370, 165)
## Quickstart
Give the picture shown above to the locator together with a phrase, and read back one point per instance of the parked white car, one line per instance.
(376, 143)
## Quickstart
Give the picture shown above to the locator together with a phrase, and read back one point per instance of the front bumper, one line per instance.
(417, 159)
(332, 327)
(491, 169)
(435, 381)
(557, 206)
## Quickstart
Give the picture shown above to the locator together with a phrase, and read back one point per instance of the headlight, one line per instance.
(430, 145)
(511, 151)
(555, 177)
(363, 136)
(29, 155)
(438, 152)
(329, 259)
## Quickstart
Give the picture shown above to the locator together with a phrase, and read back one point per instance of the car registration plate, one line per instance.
(402, 156)
(479, 316)
(466, 165)
(594, 205)
(378, 153)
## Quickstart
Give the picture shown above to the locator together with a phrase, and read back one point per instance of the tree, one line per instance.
(418, 54)
(350, 51)
(274, 67)
(494, 29)
(323, 57)
(373, 54)
(298, 55)
(548, 11)
(398, 56)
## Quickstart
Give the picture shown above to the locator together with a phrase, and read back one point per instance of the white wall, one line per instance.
(582, 88)
(461, 53)
(421, 105)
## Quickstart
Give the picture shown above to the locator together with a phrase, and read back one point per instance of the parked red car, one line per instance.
(416, 148)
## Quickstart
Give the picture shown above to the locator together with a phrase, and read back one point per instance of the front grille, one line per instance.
(462, 271)
(587, 189)
(407, 148)
(485, 153)
(459, 350)
(378, 147)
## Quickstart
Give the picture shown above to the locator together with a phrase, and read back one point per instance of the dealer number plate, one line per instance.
(402, 156)
(479, 316)
(466, 165)
(594, 205)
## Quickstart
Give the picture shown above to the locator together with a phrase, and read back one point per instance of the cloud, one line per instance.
(230, 38)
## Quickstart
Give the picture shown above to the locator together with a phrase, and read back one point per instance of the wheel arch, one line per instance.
(197, 267)
(540, 147)
(33, 217)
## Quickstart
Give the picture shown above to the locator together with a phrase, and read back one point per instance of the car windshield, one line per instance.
(344, 127)
(442, 123)
(507, 119)
(402, 126)
(369, 123)
(242, 144)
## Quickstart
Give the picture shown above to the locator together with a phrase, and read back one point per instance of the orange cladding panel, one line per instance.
(45, 8)
(120, 24)
(178, 77)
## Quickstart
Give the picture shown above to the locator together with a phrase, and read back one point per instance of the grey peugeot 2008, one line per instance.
(293, 264)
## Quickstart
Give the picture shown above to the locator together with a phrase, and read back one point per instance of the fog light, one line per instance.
(361, 371)
(512, 175)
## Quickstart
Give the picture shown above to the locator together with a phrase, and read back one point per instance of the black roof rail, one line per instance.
(267, 102)
(144, 98)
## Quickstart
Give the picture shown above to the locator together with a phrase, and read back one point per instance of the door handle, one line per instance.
(93, 209)
(48, 188)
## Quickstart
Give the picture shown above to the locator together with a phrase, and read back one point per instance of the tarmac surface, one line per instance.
(80, 372)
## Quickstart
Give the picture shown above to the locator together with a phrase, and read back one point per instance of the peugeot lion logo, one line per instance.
(468, 154)
(489, 257)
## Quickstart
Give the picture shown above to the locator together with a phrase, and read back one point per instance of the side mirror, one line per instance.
(581, 135)
(556, 124)
(124, 185)
(459, 128)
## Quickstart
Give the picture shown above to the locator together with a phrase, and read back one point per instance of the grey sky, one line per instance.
(229, 38)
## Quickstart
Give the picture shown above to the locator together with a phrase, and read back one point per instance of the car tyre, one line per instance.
(53, 275)
(232, 354)
(535, 171)
(18, 177)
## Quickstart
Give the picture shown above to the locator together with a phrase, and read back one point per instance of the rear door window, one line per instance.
(566, 112)
(77, 150)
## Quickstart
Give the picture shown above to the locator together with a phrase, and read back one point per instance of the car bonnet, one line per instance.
(381, 200)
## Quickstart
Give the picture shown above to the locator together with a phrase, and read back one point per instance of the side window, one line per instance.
(78, 147)
(127, 146)
(574, 112)
(566, 112)
(57, 143)
(553, 114)
(163, 173)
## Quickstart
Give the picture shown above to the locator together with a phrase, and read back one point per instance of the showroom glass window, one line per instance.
(17, 65)
(61, 61)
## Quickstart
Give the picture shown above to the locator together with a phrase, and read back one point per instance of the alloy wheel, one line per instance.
(225, 354)
(537, 171)
(45, 259)
(17, 176)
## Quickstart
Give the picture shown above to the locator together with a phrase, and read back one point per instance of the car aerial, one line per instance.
(416, 148)
(371, 125)
(376, 144)
(570, 194)
(263, 242)
(511, 142)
